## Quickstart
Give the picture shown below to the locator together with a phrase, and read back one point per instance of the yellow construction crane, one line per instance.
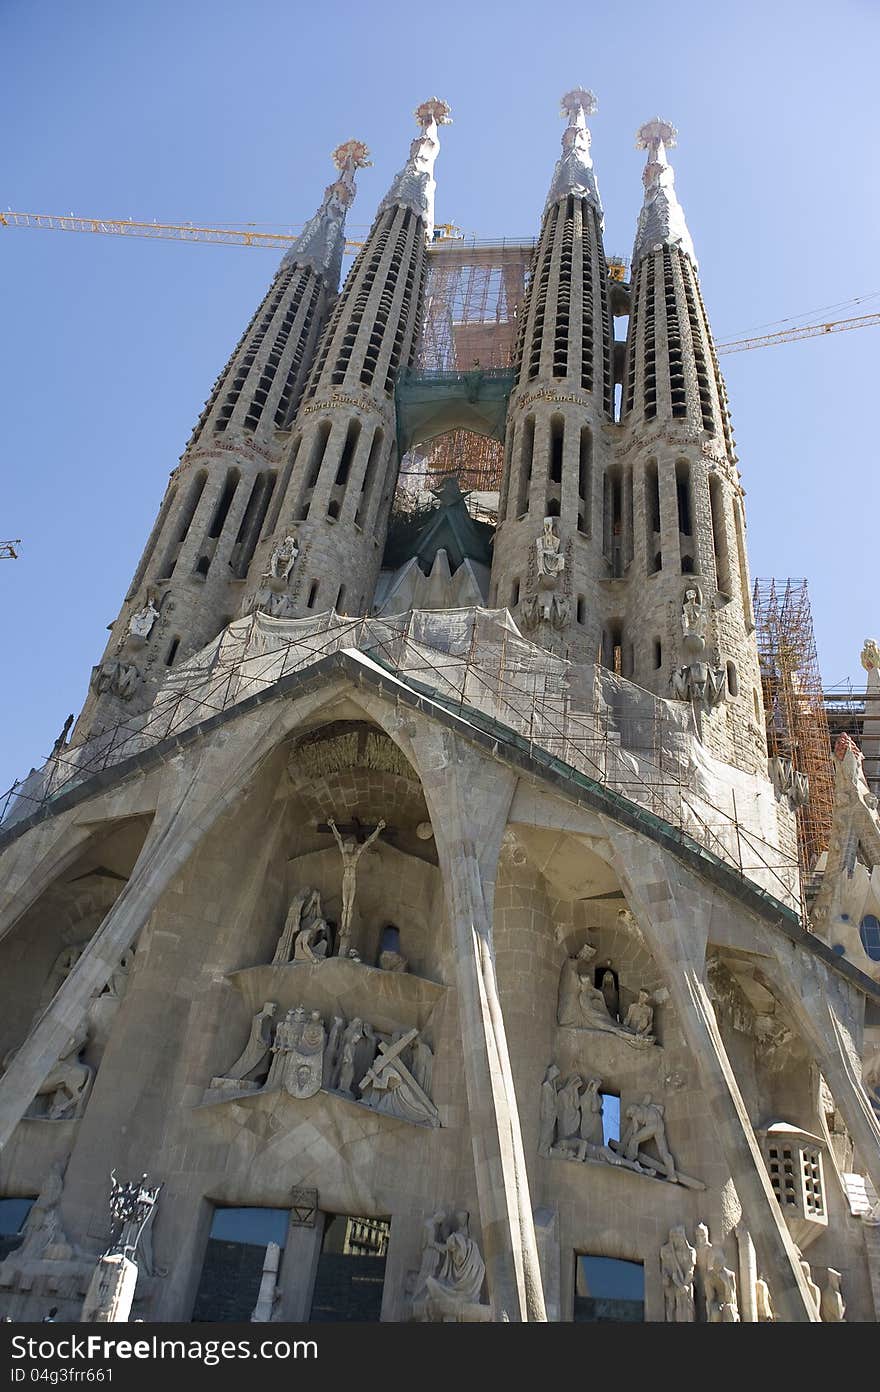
(445, 232)
(8, 551)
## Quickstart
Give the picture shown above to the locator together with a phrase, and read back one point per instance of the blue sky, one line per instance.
(220, 113)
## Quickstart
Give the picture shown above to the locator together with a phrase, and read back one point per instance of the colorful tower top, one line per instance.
(414, 187)
(574, 171)
(321, 243)
(661, 221)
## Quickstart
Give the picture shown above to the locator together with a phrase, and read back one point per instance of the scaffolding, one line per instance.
(473, 297)
(794, 705)
(577, 720)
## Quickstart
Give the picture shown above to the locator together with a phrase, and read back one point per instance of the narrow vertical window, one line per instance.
(369, 476)
(653, 550)
(585, 480)
(527, 449)
(719, 534)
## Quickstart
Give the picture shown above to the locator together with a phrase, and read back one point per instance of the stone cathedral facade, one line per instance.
(417, 932)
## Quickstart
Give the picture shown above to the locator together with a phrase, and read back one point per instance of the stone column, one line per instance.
(673, 918)
(111, 1291)
(748, 1275)
(469, 801)
(296, 1282)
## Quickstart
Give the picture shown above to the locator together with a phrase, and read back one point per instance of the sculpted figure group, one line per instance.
(571, 1128)
(583, 1005)
(300, 1055)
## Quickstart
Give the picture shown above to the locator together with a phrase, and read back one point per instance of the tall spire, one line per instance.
(414, 186)
(321, 243)
(661, 221)
(574, 171)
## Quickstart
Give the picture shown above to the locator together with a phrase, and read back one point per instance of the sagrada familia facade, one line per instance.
(417, 932)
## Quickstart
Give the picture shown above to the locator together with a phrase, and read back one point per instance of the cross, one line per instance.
(579, 99)
(654, 132)
(356, 828)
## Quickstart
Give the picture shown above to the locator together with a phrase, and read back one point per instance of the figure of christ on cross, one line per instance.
(351, 851)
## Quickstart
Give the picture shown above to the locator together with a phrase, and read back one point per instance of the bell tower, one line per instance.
(190, 578)
(342, 462)
(688, 631)
(549, 561)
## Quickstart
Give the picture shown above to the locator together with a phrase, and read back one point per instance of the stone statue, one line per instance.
(814, 1289)
(44, 1237)
(699, 683)
(311, 943)
(140, 625)
(305, 936)
(259, 1044)
(568, 1110)
(61, 742)
(390, 956)
(568, 1011)
(283, 559)
(451, 1274)
(645, 1123)
(116, 677)
(551, 561)
(831, 1305)
(351, 852)
(547, 1114)
(763, 1308)
(69, 1082)
(354, 1034)
(693, 621)
(388, 1086)
(287, 1036)
(331, 1053)
(678, 1261)
(393, 961)
(720, 1288)
(640, 1015)
(304, 1065)
(591, 1129)
(610, 994)
(422, 1065)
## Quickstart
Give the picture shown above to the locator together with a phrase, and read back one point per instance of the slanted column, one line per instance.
(828, 1012)
(469, 800)
(672, 919)
(200, 786)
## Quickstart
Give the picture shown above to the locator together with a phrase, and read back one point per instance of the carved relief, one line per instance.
(571, 1128)
(140, 625)
(585, 1006)
(115, 677)
(389, 1073)
(787, 781)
